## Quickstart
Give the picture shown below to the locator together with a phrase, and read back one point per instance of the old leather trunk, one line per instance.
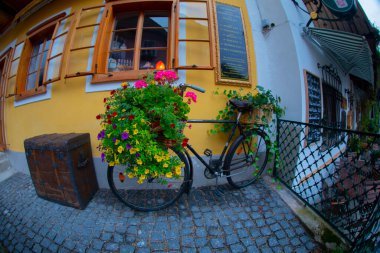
(62, 168)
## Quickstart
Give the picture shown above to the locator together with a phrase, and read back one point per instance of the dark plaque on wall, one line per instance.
(232, 56)
(314, 112)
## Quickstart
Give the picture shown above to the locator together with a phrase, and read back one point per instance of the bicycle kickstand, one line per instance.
(218, 190)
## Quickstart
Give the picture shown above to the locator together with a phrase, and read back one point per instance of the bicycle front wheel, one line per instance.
(246, 158)
(154, 193)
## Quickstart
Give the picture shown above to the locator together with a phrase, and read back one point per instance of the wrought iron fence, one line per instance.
(336, 174)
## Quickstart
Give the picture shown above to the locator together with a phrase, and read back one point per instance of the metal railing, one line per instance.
(336, 174)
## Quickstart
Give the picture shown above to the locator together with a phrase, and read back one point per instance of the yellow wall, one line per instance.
(208, 103)
(71, 109)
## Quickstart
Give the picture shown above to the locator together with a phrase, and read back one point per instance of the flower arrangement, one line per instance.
(137, 121)
(262, 100)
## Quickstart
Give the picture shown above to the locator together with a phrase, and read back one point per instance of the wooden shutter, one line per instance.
(83, 39)
(4, 66)
(14, 67)
(57, 49)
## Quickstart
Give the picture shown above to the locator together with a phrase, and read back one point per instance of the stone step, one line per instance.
(4, 163)
(5, 167)
(6, 174)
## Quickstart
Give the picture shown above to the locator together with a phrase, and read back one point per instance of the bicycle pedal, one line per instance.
(207, 152)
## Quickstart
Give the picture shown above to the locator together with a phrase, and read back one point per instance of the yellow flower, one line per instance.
(146, 171)
(142, 177)
(120, 149)
(169, 175)
(130, 175)
(137, 142)
(178, 170)
(140, 181)
(117, 142)
(135, 131)
(158, 158)
(132, 151)
(108, 135)
(142, 121)
(135, 125)
(116, 162)
(135, 168)
(124, 84)
(111, 164)
(126, 130)
(139, 162)
(123, 110)
(165, 165)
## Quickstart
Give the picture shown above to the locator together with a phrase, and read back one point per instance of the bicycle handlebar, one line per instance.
(192, 86)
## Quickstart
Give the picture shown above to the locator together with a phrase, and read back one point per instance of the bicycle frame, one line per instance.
(225, 148)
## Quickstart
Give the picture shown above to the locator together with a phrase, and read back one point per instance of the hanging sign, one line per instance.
(341, 8)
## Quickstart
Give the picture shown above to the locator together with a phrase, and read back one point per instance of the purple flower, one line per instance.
(114, 140)
(102, 156)
(124, 136)
(101, 135)
(128, 146)
(138, 155)
(114, 126)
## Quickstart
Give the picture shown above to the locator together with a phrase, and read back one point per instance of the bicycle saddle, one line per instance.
(241, 105)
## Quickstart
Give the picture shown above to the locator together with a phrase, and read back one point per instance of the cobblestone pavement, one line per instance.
(254, 219)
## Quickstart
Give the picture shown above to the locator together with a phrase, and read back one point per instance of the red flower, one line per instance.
(108, 116)
(108, 107)
(98, 116)
(184, 142)
(114, 114)
(105, 100)
(113, 92)
(109, 121)
(172, 125)
(131, 117)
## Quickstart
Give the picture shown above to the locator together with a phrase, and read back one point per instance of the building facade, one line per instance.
(59, 59)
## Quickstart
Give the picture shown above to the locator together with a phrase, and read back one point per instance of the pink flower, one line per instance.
(165, 76)
(140, 84)
(191, 95)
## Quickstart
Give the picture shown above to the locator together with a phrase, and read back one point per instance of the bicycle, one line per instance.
(241, 162)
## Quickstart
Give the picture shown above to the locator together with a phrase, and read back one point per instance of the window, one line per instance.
(138, 39)
(42, 52)
(126, 53)
(332, 96)
(194, 36)
(332, 105)
(39, 49)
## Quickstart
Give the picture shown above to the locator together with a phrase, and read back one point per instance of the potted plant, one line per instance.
(264, 104)
(140, 122)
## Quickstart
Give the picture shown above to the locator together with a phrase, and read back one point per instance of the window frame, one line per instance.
(102, 45)
(23, 69)
(210, 11)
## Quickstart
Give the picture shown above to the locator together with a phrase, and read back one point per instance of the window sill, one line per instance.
(31, 93)
(119, 76)
(30, 97)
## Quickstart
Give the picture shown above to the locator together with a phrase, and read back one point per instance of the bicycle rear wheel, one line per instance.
(151, 195)
(246, 158)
